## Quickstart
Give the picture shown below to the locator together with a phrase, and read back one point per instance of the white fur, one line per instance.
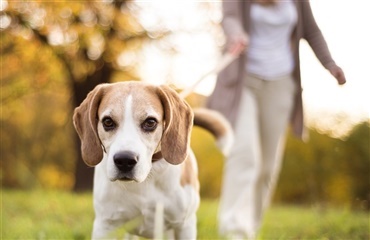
(128, 138)
(118, 202)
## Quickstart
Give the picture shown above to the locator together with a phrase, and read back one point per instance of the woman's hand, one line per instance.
(237, 44)
(338, 73)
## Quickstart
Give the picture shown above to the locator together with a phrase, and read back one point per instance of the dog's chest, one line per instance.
(141, 206)
(133, 205)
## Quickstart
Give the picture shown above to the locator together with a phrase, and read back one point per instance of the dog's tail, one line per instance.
(216, 124)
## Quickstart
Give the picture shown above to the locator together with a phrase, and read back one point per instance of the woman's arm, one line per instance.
(316, 40)
(236, 38)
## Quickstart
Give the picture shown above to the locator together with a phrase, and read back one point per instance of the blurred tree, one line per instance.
(210, 162)
(88, 38)
(327, 169)
(310, 168)
(33, 114)
(357, 167)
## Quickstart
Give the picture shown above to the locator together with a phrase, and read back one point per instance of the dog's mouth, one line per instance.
(126, 179)
(123, 178)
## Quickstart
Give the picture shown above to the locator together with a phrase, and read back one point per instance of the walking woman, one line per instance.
(260, 93)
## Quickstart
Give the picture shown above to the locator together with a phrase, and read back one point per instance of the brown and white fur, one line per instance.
(137, 137)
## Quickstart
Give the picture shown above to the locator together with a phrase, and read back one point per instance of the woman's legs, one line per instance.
(276, 103)
(240, 172)
(251, 170)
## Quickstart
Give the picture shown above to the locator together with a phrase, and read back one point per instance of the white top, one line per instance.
(269, 54)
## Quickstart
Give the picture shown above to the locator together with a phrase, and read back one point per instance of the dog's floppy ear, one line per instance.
(85, 121)
(178, 123)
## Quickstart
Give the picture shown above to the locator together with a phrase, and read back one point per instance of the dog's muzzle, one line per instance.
(125, 162)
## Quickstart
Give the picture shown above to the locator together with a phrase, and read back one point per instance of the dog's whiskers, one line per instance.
(150, 175)
(123, 185)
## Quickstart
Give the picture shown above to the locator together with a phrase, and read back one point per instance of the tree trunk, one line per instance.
(83, 173)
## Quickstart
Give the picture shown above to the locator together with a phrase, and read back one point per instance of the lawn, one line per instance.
(63, 215)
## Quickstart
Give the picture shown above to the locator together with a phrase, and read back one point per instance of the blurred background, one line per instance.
(54, 53)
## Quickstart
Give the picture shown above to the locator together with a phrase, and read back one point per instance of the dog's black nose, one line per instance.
(125, 161)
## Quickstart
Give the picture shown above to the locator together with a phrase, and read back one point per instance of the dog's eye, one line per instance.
(149, 125)
(108, 124)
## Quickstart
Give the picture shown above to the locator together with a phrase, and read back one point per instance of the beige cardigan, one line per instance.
(227, 93)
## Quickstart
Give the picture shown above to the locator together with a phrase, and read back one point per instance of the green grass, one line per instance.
(293, 222)
(45, 215)
(63, 215)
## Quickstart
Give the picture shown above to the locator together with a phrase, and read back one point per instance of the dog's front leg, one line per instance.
(103, 228)
(188, 230)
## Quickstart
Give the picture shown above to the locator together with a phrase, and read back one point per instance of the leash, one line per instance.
(226, 59)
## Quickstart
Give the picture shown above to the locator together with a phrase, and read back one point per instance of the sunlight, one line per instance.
(190, 51)
(196, 42)
(326, 103)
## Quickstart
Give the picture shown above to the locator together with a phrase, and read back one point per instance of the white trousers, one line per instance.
(251, 171)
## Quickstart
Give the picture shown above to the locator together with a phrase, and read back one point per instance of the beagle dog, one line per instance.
(137, 137)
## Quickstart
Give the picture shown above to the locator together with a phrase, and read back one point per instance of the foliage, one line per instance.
(357, 167)
(84, 35)
(84, 43)
(63, 215)
(210, 162)
(35, 116)
(327, 169)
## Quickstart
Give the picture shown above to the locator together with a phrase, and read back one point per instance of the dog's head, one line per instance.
(127, 123)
